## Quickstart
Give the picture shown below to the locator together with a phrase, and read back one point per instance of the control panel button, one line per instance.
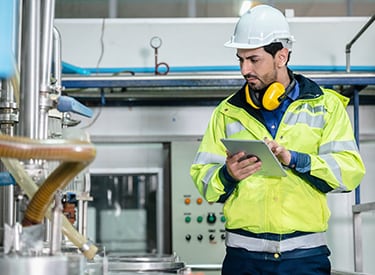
(188, 237)
(200, 237)
(187, 219)
(199, 201)
(199, 219)
(187, 201)
(211, 218)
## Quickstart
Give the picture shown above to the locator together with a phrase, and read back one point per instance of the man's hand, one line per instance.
(282, 154)
(241, 166)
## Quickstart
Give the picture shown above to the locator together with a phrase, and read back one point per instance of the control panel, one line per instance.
(198, 235)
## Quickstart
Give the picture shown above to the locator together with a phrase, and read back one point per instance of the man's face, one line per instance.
(258, 67)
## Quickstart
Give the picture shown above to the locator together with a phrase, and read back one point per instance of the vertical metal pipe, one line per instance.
(46, 44)
(192, 8)
(45, 103)
(112, 8)
(9, 117)
(349, 8)
(83, 200)
(6, 192)
(356, 134)
(29, 76)
(56, 234)
(17, 32)
(358, 244)
(57, 61)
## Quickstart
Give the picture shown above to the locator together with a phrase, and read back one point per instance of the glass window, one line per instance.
(124, 208)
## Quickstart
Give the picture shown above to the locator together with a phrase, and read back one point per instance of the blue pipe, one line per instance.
(69, 68)
(7, 59)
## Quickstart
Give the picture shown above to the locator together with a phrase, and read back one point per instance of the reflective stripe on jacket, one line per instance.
(305, 241)
(316, 124)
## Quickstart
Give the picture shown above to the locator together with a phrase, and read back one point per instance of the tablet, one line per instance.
(271, 167)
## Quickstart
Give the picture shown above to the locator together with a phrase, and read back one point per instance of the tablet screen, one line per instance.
(271, 167)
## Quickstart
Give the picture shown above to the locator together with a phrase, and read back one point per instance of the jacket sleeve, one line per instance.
(301, 163)
(207, 168)
(338, 163)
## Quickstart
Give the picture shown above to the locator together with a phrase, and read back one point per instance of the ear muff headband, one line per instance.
(273, 96)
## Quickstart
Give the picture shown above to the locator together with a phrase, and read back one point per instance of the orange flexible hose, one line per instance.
(30, 188)
(74, 156)
(58, 180)
(49, 149)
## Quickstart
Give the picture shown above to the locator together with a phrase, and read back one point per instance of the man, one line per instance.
(276, 225)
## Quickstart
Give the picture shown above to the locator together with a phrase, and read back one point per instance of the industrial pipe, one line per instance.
(29, 71)
(350, 44)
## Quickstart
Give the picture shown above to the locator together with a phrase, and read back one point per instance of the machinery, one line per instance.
(117, 200)
(45, 187)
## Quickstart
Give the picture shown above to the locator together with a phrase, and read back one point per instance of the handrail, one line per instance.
(350, 44)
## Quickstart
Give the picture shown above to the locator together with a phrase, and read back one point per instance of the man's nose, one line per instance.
(246, 68)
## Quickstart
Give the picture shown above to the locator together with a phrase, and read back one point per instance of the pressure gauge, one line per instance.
(155, 42)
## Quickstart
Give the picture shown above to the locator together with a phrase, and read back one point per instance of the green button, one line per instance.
(222, 218)
(199, 219)
(187, 219)
(211, 218)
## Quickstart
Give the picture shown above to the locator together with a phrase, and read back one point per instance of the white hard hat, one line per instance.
(260, 26)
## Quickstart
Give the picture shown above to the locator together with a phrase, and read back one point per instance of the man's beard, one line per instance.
(258, 89)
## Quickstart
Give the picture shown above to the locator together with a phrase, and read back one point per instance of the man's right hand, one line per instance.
(241, 165)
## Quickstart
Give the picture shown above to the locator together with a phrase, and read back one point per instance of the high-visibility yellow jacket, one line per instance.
(315, 124)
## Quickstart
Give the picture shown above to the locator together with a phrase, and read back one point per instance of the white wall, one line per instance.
(199, 41)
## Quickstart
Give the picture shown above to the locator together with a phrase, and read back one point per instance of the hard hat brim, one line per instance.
(231, 44)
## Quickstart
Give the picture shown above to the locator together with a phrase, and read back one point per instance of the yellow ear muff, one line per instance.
(249, 98)
(273, 96)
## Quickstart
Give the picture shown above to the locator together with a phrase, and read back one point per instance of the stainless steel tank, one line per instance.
(42, 265)
(145, 264)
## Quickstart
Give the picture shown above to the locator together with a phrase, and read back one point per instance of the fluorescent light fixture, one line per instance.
(246, 5)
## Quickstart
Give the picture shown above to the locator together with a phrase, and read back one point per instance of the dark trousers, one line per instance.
(239, 263)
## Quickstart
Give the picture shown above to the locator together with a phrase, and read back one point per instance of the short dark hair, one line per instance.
(273, 48)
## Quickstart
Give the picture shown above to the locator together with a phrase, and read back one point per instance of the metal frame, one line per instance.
(202, 80)
(159, 196)
(357, 209)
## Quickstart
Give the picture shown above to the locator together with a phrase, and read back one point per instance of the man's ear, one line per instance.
(282, 57)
